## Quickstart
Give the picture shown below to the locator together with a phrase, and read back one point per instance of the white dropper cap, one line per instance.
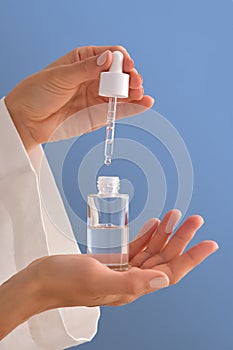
(114, 83)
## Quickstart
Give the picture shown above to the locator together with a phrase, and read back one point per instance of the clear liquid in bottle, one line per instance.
(107, 225)
(109, 245)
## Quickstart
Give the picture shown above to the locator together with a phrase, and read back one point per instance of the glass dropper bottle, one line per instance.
(107, 224)
(113, 84)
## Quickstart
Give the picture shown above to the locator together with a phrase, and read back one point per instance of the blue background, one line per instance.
(184, 51)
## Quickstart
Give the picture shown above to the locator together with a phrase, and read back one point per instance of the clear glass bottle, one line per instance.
(107, 224)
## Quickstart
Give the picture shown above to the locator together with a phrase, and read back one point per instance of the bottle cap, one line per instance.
(114, 83)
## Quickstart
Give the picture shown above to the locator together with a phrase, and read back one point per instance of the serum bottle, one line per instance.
(107, 224)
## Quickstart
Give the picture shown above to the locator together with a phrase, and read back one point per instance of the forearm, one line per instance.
(19, 300)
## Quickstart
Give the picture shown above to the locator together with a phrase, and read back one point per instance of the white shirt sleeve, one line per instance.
(27, 233)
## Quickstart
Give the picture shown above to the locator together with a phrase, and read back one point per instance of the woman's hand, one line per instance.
(40, 103)
(155, 262)
(158, 250)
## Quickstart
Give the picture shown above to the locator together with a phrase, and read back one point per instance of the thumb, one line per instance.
(71, 75)
(133, 282)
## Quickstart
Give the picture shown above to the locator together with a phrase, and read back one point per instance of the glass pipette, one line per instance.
(113, 84)
(110, 130)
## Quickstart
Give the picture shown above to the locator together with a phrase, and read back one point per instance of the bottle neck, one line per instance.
(108, 185)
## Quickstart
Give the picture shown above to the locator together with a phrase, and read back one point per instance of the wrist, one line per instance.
(20, 299)
(42, 288)
(19, 123)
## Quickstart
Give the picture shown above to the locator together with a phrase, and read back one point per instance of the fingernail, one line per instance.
(159, 282)
(203, 221)
(173, 220)
(101, 60)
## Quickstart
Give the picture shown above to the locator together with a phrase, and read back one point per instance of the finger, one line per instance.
(97, 114)
(146, 101)
(82, 53)
(143, 237)
(136, 94)
(178, 267)
(94, 117)
(132, 107)
(134, 282)
(128, 63)
(71, 75)
(160, 238)
(135, 81)
(140, 106)
(164, 231)
(177, 243)
(76, 55)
